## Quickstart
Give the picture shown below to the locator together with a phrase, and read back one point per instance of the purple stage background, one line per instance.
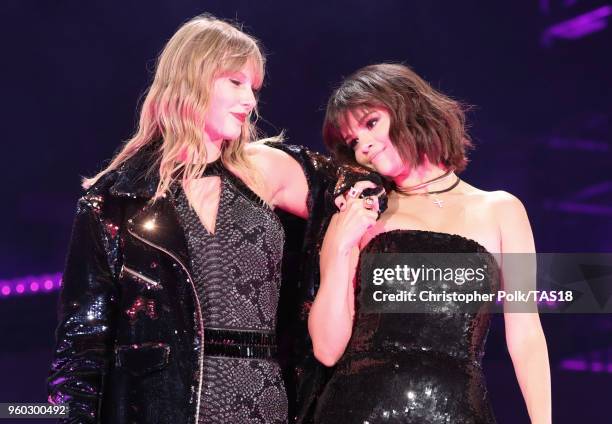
(538, 72)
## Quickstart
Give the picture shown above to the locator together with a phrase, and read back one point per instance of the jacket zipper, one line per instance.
(148, 281)
(198, 311)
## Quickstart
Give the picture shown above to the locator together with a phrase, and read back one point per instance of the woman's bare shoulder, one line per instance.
(495, 199)
(284, 177)
(498, 206)
(267, 158)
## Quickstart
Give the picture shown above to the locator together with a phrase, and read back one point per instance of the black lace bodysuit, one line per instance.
(237, 273)
(414, 368)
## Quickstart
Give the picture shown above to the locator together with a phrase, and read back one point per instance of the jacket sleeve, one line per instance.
(86, 314)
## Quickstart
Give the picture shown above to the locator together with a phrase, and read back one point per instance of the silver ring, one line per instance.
(353, 192)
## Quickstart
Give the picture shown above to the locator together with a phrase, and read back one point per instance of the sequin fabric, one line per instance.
(130, 336)
(414, 368)
(237, 272)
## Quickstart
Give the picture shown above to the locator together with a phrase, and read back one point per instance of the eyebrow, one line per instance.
(360, 121)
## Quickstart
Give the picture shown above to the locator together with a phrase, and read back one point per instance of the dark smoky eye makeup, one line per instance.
(371, 122)
(348, 142)
(367, 117)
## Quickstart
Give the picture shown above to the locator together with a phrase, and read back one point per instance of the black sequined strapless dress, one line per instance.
(414, 368)
(237, 273)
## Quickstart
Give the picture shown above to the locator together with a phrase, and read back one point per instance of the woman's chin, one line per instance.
(231, 137)
(382, 170)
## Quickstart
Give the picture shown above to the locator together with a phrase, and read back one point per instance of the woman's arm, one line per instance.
(289, 172)
(291, 193)
(87, 305)
(298, 179)
(331, 317)
(330, 321)
(524, 336)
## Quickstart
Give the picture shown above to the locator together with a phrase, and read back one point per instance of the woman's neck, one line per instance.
(421, 174)
(213, 148)
(213, 152)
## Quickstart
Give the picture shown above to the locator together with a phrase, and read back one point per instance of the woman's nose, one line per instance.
(365, 145)
(249, 101)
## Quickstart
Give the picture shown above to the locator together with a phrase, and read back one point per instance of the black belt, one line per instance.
(239, 344)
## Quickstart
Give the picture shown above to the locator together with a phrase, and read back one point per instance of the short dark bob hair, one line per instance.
(423, 120)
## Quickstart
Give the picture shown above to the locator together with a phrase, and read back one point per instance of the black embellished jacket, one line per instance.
(130, 337)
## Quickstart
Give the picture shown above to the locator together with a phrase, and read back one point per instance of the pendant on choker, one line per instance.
(435, 199)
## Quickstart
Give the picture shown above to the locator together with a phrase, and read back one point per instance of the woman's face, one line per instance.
(366, 132)
(231, 100)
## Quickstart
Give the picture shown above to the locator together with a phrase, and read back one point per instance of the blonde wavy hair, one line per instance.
(175, 104)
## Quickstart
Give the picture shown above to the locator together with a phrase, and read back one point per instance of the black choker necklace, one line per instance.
(408, 191)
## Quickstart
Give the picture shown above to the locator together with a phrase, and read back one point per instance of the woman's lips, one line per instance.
(376, 154)
(239, 116)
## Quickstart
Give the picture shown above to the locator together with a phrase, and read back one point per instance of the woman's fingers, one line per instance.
(371, 203)
(370, 217)
(350, 196)
(353, 199)
(373, 200)
(349, 225)
(354, 209)
(362, 185)
(340, 202)
(353, 193)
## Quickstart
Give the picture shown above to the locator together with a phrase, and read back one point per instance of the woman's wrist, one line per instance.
(335, 251)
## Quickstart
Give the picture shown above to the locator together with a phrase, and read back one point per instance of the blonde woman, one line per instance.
(170, 292)
(417, 367)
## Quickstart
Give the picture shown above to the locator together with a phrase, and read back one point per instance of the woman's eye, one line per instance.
(372, 123)
(235, 82)
(353, 143)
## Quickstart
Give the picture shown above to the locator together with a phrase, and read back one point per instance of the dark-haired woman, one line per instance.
(426, 367)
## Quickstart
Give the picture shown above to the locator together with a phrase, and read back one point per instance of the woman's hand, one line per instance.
(331, 317)
(356, 216)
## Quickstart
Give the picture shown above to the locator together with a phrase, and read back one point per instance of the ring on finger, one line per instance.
(353, 192)
(368, 203)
